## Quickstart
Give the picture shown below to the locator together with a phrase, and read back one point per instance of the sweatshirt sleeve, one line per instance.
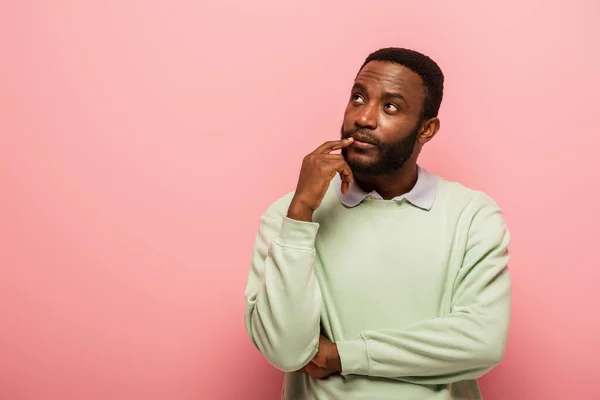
(283, 298)
(463, 345)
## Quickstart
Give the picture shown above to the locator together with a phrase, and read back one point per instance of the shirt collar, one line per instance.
(422, 194)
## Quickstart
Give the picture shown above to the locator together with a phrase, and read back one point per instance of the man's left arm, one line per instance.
(463, 345)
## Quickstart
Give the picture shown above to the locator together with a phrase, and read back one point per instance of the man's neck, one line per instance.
(391, 185)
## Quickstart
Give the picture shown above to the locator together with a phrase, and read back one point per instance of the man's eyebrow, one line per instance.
(395, 95)
(386, 95)
(359, 86)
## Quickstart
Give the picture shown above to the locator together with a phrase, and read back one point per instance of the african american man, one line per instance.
(374, 278)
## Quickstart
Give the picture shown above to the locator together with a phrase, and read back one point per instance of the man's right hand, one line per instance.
(318, 169)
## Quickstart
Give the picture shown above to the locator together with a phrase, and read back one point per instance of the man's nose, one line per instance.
(367, 117)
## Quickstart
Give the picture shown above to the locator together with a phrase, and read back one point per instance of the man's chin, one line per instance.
(361, 159)
(361, 168)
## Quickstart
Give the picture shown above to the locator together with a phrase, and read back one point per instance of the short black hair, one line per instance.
(425, 67)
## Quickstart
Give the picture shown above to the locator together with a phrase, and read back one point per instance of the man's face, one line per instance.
(384, 118)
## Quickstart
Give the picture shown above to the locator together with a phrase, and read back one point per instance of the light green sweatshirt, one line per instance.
(417, 300)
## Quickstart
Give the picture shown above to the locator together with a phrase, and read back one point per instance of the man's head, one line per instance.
(392, 110)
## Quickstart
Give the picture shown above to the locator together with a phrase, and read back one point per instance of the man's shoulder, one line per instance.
(279, 207)
(477, 211)
(459, 195)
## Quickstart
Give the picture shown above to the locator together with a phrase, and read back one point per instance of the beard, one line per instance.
(392, 156)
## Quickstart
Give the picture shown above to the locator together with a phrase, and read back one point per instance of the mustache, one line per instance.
(361, 135)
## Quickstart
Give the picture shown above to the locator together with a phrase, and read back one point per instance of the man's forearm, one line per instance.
(283, 299)
(439, 351)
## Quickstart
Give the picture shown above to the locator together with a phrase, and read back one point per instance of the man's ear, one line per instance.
(428, 130)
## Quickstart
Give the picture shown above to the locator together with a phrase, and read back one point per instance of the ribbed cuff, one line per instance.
(298, 233)
(354, 357)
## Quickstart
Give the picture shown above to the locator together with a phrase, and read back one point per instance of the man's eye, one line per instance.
(391, 107)
(357, 98)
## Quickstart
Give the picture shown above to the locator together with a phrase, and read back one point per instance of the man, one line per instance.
(375, 279)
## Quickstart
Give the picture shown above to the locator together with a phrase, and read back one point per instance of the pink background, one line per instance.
(135, 152)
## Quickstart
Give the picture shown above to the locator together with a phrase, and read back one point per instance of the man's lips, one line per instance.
(362, 145)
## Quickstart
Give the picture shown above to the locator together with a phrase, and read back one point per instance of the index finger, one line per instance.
(333, 145)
